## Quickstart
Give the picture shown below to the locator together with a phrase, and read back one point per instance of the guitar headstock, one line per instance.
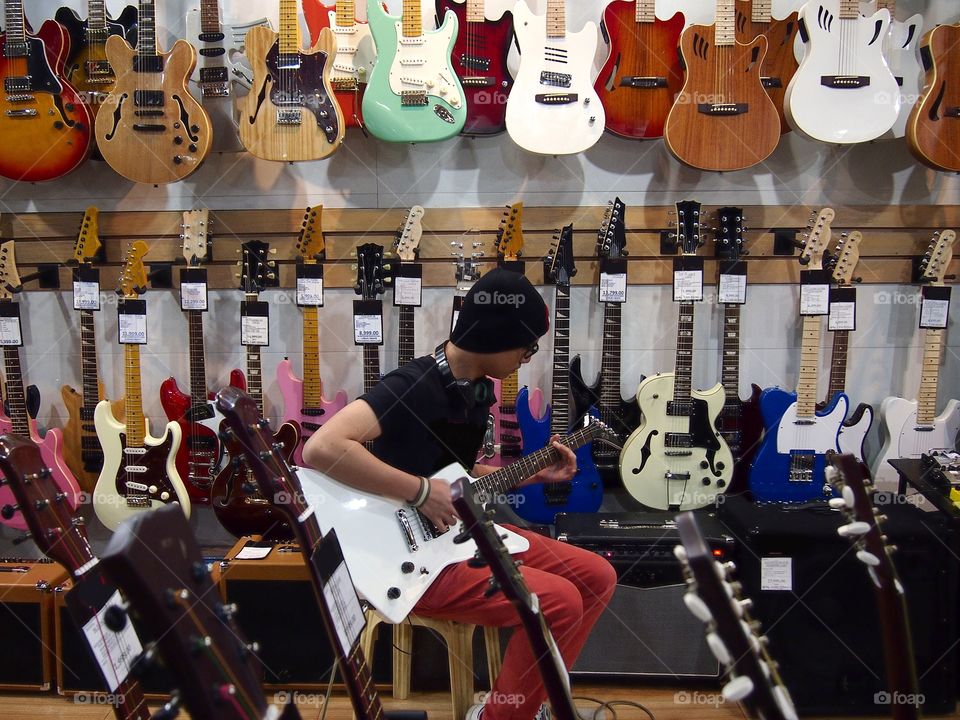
(371, 271)
(311, 245)
(44, 506)
(468, 266)
(561, 262)
(510, 234)
(938, 257)
(133, 277)
(818, 239)
(612, 237)
(87, 246)
(407, 242)
(689, 236)
(256, 267)
(154, 559)
(196, 236)
(847, 257)
(714, 598)
(729, 233)
(9, 275)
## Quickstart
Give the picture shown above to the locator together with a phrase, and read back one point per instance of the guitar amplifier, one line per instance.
(646, 630)
(817, 606)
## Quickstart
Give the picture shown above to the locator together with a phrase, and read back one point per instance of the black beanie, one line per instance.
(502, 311)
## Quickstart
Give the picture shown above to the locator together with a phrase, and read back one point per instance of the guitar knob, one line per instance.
(721, 466)
(704, 464)
(407, 567)
(192, 147)
(705, 481)
(393, 593)
(178, 140)
(194, 128)
(164, 496)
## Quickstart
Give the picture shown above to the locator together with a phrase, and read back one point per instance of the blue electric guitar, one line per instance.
(584, 493)
(789, 466)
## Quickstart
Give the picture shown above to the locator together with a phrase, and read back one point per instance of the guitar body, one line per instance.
(320, 129)
(789, 465)
(901, 51)
(376, 546)
(780, 63)
(540, 502)
(502, 442)
(654, 471)
(561, 126)
(81, 448)
(742, 430)
(309, 419)
(622, 419)
(637, 109)
(427, 61)
(45, 126)
(214, 83)
(724, 77)
(901, 437)
(863, 107)
(853, 432)
(354, 61)
(933, 129)
(85, 68)
(153, 155)
(157, 470)
(480, 61)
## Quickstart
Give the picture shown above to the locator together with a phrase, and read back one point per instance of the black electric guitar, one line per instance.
(276, 480)
(491, 551)
(714, 598)
(155, 560)
(848, 477)
(371, 279)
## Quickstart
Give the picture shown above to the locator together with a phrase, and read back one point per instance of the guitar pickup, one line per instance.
(213, 75)
(556, 79)
(288, 116)
(215, 90)
(148, 63)
(288, 61)
(148, 98)
(475, 62)
(478, 81)
(413, 98)
(677, 440)
(556, 98)
(196, 413)
(148, 113)
(771, 82)
(98, 69)
(18, 84)
(557, 493)
(679, 409)
(16, 49)
(643, 83)
(845, 82)
(212, 52)
(723, 109)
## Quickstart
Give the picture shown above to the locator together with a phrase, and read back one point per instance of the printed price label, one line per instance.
(733, 289)
(687, 285)
(193, 296)
(776, 573)
(344, 606)
(86, 295)
(935, 307)
(613, 287)
(843, 316)
(115, 651)
(133, 329)
(10, 331)
(310, 291)
(814, 299)
(407, 291)
(254, 330)
(368, 329)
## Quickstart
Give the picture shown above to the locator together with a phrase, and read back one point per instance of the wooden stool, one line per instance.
(459, 640)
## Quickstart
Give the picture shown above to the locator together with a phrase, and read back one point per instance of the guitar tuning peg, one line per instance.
(22, 539)
(115, 617)
(737, 689)
(868, 558)
(8, 511)
(854, 529)
(170, 710)
(353, 267)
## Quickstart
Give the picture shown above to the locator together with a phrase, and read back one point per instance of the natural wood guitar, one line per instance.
(933, 130)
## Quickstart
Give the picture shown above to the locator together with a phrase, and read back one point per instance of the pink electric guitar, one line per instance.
(19, 421)
(303, 400)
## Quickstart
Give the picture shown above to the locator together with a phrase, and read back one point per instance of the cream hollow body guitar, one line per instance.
(553, 108)
(139, 471)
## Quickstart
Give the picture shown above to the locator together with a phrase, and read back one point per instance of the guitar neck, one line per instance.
(135, 423)
(209, 16)
(849, 9)
(147, 29)
(730, 365)
(15, 29)
(88, 361)
(412, 19)
(131, 703)
(610, 357)
(311, 358)
(838, 363)
(930, 377)
(198, 371)
(96, 18)
(683, 371)
(346, 13)
(371, 366)
(407, 334)
(559, 397)
(890, 5)
(14, 391)
(289, 27)
(809, 367)
(725, 26)
(556, 18)
(475, 11)
(762, 11)
(646, 11)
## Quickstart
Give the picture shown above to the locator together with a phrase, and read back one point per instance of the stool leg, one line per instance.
(491, 638)
(460, 662)
(402, 645)
(369, 637)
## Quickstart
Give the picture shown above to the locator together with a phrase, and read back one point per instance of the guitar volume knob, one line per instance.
(393, 593)
(407, 567)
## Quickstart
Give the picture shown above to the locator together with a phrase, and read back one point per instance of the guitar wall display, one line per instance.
(933, 128)
(154, 131)
(642, 75)
(909, 428)
(44, 123)
(139, 470)
(553, 108)
(291, 113)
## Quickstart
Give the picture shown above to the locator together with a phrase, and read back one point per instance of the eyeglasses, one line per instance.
(530, 351)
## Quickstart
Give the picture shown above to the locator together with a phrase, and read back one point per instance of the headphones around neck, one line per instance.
(473, 392)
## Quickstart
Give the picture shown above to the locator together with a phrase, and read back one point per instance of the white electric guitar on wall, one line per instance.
(910, 427)
(553, 108)
(900, 50)
(843, 91)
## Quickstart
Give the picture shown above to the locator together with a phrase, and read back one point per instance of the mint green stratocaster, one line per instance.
(413, 94)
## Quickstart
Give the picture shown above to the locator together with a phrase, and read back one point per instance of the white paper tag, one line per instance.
(133, 329)
(86, 295)
(814, 299)
(687, 285)
(344, 607)
(843, 316)
(310, 292)
(776, 573)
(456, 315)
(193, 296)
(115, 651)
(613, 287)
(10, 331)
(407, 290)
(368, 329)
(252, 553)
(733, 289)
(254, 330)
(933, 313)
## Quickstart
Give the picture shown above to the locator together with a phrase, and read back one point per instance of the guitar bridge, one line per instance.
(478, 81)
(413, 98)
(556, 98)
(345, 84)
(723, 109)
(643, 83)
(288, 116)
(25, 112)
(801, 466)
(845, 82)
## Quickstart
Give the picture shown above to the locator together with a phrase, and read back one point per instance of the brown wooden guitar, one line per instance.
(723, 118)
(933, 129)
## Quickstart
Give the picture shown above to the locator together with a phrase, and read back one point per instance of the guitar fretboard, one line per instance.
(371, 366)
(838, 363)
(475, 11)
(646, 11)
(730, 364)
(762, 11)
(726, 24)
(198, 371)
(890, 5)
(311, 358)
(209, 16)
(88, 361)
(684, 365)
(16, 32)
(556, 18)
(346, 13)
(809, 367)
(412, 19)
(289, 27)
(849, 9)
(147, 29)
(405, 347)
(96, 19)
(14, 391)
(559, 402)
(610, 361)
(930, 377)
(135, 423)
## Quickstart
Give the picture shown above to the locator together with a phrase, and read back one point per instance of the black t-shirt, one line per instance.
(424, 426)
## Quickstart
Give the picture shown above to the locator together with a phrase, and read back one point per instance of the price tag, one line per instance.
(408, 285)
(193, 289)
(843, 309)
(132, 322)
(309, 285)
(339, 591)
(613, 280)
(10, 334)
(732, 287)
(254, 323)
(115, 651)
(814, 292)
(687, 279)
(368, 322)
(935, 308)
(86, 288)
(776, 573)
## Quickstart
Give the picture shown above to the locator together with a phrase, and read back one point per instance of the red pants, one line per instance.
(573, 586)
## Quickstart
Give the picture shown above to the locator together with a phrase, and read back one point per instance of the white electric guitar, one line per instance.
(843, 91)
(910, 427)
(221, 67)
(553, 108)
(900, 49)
(139, 471)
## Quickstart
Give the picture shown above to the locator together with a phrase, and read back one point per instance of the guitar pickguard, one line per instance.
(302, 89)
(146, 467)
(41, 77)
